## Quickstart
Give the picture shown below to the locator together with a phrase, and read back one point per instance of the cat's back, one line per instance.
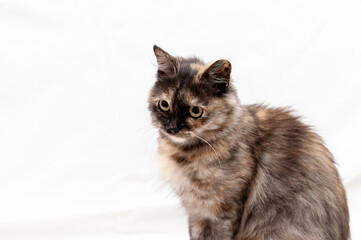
(296, 189)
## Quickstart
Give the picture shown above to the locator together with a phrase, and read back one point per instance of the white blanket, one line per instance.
(77, 151)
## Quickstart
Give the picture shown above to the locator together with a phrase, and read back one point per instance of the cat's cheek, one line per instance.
(156, 124)
(197, 125)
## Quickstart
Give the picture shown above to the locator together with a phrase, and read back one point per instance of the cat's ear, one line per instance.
(166, 63)
(219, 71)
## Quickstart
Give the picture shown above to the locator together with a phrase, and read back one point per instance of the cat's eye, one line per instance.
(195, 112)
(164, 105)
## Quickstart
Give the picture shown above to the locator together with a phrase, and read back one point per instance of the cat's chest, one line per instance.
(174, 174)
(194, 178)
(197, 186)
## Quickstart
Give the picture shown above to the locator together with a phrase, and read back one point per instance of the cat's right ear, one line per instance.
(167, 64)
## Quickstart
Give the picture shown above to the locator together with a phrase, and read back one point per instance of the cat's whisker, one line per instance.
(145, 128)
(146, 135)
(215, 153)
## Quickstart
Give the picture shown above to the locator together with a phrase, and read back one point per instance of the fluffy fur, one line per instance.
(242, 172)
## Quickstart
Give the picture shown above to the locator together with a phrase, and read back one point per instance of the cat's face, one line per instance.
(191, 99)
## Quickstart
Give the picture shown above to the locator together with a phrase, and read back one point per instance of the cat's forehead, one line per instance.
(190, 69)
(185, 87)
(182, 95)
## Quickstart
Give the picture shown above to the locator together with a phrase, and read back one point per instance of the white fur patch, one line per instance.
(171, 173)
(177, 139)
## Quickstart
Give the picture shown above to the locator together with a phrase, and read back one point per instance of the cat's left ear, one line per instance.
(218, 73)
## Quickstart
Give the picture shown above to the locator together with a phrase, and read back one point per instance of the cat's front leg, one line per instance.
(204, 229)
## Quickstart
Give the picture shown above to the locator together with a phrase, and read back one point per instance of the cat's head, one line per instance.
(192, 99)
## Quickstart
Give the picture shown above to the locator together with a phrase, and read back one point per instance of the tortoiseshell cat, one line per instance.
(241, 172)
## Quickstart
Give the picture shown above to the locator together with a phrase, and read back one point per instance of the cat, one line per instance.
(243, 172)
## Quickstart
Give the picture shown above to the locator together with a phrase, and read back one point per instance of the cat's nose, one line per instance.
(172, 130)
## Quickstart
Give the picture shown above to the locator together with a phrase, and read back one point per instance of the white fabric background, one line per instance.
(77, 152)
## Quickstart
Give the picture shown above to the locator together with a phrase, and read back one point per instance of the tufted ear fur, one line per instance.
(219, 74)
(167, 64)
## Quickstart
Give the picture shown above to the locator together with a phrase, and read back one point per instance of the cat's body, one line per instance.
(242, 172)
